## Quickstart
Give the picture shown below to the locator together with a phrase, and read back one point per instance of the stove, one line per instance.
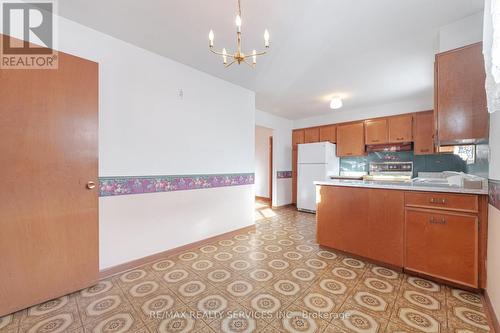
(390, 171)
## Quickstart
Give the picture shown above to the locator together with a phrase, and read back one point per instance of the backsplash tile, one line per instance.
(284, 174)
(421, 163)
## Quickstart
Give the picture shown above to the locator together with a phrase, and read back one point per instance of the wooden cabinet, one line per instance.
(446, 236)
(424, 133)
(311, 135)
(297, 137)
(443, 245)
(366, 222)
(460, 96)
(401, 128)
(351, 139)
(443, 201)
(328, 133)
(376, 131)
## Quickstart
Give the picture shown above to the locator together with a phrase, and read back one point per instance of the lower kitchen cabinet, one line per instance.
(358, 221)
(443, 245)
(439, 235)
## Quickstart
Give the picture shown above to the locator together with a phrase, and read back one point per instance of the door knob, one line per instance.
(90, 185)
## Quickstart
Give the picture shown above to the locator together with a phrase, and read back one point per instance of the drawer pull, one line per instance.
(437, 221)
(424, 150)
(438, 201)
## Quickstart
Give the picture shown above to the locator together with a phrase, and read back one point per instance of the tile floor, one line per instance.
(273, 279)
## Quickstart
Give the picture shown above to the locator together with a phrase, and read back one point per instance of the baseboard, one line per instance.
(284, 206)
(108, 272)
(262, 198)
(490, 313)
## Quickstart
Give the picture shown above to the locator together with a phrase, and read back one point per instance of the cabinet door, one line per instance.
(443, 245)
(297, 137)
(424, 133)
(364, 222)
(341, 216)
(376, 131)
(351, 139)
(461, 98)
(401, 128)
(311, 135)
(328, 133)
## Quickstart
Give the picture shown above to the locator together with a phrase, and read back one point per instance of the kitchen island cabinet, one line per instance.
(435, 234)
(365, 222)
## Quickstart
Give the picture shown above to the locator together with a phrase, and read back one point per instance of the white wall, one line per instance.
(282, 154)
(468, 30)
(147, 129)
(262, 135)
(493, 267)
(346, 114)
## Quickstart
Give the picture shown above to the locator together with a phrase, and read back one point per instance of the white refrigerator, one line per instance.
(316, 161)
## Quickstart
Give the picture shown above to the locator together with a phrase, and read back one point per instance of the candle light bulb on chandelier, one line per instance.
(211, 38)
(266, 38)
(254, 57)
(238, 22)
(224, 55)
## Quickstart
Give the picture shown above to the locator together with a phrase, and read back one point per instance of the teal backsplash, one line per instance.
(422, 163)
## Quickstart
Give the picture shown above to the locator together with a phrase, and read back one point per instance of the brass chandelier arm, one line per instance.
(221, 54)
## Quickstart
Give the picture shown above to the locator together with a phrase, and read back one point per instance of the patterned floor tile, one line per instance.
(272, 279)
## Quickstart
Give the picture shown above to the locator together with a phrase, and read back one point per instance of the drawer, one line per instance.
(446, 201)
(443, 245)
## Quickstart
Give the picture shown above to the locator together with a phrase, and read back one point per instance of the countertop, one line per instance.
(405, 186)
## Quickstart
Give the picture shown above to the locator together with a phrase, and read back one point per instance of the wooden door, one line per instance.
(311, 135)
(48, 218)
(424, 133)
(462, 114)
(297, 137)
(351, 139)
(401, 128)
(443, 245)
(376, 131)
(328, 134)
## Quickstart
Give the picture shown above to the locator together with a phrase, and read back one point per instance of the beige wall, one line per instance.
(493, 285)
(262, 135)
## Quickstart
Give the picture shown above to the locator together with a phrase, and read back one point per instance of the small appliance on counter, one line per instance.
(390, 171)
(316, 162)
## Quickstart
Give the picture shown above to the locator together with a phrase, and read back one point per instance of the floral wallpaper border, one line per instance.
(284, 174)
(112, 186)
(494, 192)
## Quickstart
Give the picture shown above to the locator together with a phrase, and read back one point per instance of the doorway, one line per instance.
(263, 164)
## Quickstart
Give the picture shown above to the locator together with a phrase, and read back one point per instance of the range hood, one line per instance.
(394, 147)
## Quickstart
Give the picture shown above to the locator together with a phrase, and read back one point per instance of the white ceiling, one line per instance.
(368, 51)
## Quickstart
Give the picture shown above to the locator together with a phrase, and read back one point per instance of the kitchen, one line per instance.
(251, 166)
(399, 213)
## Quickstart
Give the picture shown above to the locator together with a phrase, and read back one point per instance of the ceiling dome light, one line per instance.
(336, 103)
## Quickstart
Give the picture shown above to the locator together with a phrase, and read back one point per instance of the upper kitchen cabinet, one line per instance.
(401, 128)
(376, 131)
(311, 135)
(328, 134)
(461, 111)
(297, 137)
(351, 139)
(424, 133)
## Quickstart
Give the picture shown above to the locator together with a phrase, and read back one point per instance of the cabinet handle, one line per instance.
(400, 139)
(424, 150)
(434, 221)
(441, 201)
(375, 140)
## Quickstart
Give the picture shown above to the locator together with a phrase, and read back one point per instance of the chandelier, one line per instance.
(238, 56)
